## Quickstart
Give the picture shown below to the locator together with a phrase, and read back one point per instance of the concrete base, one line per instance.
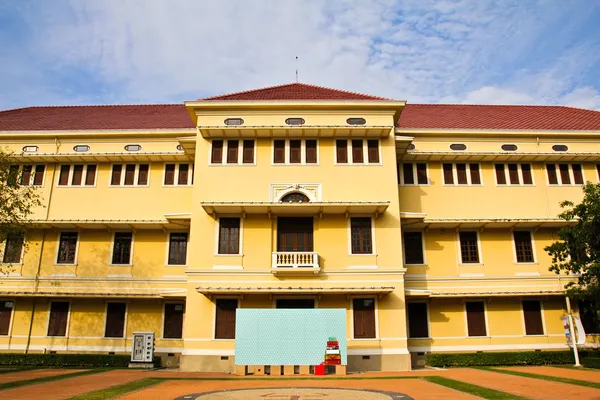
(141, 365)
(288, 370)
(192, 363)
(305, 370)
(385, 362)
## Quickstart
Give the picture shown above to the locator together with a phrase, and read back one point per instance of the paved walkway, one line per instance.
(34, 374)
(582, 375)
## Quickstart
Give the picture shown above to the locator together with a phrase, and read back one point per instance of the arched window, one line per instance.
(295, 197)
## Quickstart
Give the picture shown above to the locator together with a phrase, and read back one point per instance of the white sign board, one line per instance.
(142, 347)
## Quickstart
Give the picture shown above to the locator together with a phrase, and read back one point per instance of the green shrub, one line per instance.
(591, 362)
(65, 360)
(504, 358)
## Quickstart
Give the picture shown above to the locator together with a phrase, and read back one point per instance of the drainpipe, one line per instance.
(572, 331)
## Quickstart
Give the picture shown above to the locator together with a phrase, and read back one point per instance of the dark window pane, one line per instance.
(417, 320)
(513, 173)
(169, 174)
(115, 320)
(229, 236)
(232, 151)
(461, 174)
(225, 318)
(476, 318)
(527, 178)
(13, 175)
(295, 151)
(413, 248)
(500, 176)
(552, 178)
(357, 151)
(59, 314)
(373, 150)
(311, 151)
(173, 323)
(116, 174)
(523, 247)
(295, 234)
(143, 174)
(122, 248)
(129, 174)
(6, 308)
(279, 151)
(217, 152)
(178, 248)
(26, 175)
(248, 155)
(38, 178)
(364, 318)
(448, 176)
(341, 147)
(63, 179)
(13, 248)
(360, 232)
(422, 174)
(565, 178)
(66, 248)
(475, 178)
(77, 175)
(90, 175)
(407, 174)
(184, 170)
(577, 175)
(532, 313)
(468, 247)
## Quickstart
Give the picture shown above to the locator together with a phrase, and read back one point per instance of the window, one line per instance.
(13, 248)
(30, 149)
(360, 235)
(28, 175)
(122, 245)
(364, 318)
(412, 174)
(232, 152)
(458, 146)
(135, 175)
(177, 248)
(115, 320)
(225, 318)
(413, 248)
(560, 147)
(295, 121)
(564, 174)
(295, 197)
(59, 317)
(468, 248)
(361, 151)
(417, 320)
(532, 313)
(173, 321)
(295, 151)
(356, 121)
(67, 248)
(133, 147)
(523, 247)
(513, 174)
(509, 147)
(178, 175)
(476, 318)
(234, 121)
(6, 308)
(81, 148)
(462, 174)
(229, 236)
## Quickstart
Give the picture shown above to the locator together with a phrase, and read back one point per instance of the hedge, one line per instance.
(65, 360)
(501, 358)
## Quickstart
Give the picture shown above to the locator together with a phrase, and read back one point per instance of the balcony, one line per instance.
(295, 262)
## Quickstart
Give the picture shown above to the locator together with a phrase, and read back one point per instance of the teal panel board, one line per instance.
(288, 336)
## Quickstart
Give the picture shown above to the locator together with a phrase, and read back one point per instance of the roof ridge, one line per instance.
(249, 91)
(95, 105)
(490, 105)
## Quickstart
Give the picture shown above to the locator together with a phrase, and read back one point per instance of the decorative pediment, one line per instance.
(310, 190)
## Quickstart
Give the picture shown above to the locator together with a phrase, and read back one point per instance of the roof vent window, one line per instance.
(133, 147)
(30, 149)
(295, 121)
(356, 121)
(234, 121)
(509, 147)
(458, 146)
(81, 148)
(179, 147)
(411, 146)
(560, 147)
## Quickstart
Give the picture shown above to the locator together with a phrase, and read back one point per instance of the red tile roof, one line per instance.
(295, 91)
(151, 116)
(463, 116)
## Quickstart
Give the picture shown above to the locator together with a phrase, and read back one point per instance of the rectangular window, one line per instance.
(26, 173)
(217, 152)
(408, 177)
(422, 174)
(38, 178)
(373, 151)
(357, 151)
(6, 308)
(232, 151)
(532, 313)
(500, 176)
(364, 318)
(311, 151)
(526, 171)
(448, 174)
(564, 174)
(475, 177)
(523, 246)
(229, 236)
(135, 175)
(417, 320)
(577, 174)
(122, 248)
(13, 248)
(169, 174)
(552, 178)
(63, 179)
(413, 248)
(360, 235)
(115, 178)
(225, 318)
(513, 173)
(115, 320)
(279, 151)
(90, 175)
(295, 151)
(143, 174)
(13, 174)
(518, 174)
(341, 147)
(178, 248)
(183, 178)
(129, 174)
(567, 174)
(67, 247)
(59, 316)
(173, 321)
(468, 248)
(462, 174)
(248, 156)
(476, 318)
(76, 173)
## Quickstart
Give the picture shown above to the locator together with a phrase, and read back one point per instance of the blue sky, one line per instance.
(167, 51)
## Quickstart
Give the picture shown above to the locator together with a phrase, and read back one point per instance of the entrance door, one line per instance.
(295, 303)
(295, 234)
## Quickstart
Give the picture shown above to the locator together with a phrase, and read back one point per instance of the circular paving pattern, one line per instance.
(296, 394)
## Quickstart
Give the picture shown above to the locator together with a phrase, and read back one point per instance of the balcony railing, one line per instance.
(295, 261)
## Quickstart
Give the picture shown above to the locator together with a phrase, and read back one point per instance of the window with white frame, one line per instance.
(179, 174)
(413, 248)
(461, 174)
(77, 175)
(523, 246)
(232, 152)
(122, 248)
(565, 174)
(13, 248)
(129, 175)
(229, 236)
(412, 174)
(177, 248)
(27, 175)
(469, 249)
(357, 151)
(295, 151)
(513, 174)
(361, 240)
(67, 248)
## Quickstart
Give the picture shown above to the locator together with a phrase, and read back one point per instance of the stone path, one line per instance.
(582, 375)
(34, 374)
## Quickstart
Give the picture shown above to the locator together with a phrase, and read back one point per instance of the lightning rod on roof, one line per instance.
(296, 69)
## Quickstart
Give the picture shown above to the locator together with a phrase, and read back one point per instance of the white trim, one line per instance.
(33, 173)
(375, 310)
(125, 318)
(377, 352)
(176, 175)
(287, 152)
(228, 267)
(136, 173)
(83, 175)
(459, 251)
(240, 161)
(75, 260)
(360, 267)
(68, 318)
(373, 241)
(400, 174)
(528, 273)
(519, 173)
(365, 148)
(559, 176)
(208, 352)
(240, 237)
(489, 347)
(112, 248)
(455, 174)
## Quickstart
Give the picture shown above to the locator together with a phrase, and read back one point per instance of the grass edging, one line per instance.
(16, 384)
(118, 390)
(475, 390)
(544, 377)
(9, 370)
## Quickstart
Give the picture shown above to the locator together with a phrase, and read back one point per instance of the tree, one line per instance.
(578, 250)
(18, 199)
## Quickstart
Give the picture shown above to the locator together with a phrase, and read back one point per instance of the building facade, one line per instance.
(427, 223)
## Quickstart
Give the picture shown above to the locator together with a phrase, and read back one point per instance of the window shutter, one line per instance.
(448, 176)
(476, 318)
(577, 175)
(523, 246)
(407, 174)
(225, 318)
(232, 151)
(38, 178)
(422, 174)
(5, 314)
(357, 151)
(564, 174)
(373, 150)
(248, 156)
(116, 174)
(77, 175)
(129, 174)
(513, 173)
(360, 234)
(143, 174)
(500, 176)
(173, 322)
(461, 174)
(59, 314)
(532, 312)
(90, 175)
(295, 151)
(552, 178)
(475, 177)
(311, 151)
(184, 170)
(364, 318)
(526, 170)
(341, 147)
(26, 175)
(279, 151)
(417, 320)
(217, 152)
(115, 320)
(63, 179)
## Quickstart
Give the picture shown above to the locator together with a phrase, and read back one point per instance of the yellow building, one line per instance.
(427, 223)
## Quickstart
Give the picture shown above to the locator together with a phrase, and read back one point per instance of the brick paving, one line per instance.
(526, 387)
(34, 374)
(582, 375)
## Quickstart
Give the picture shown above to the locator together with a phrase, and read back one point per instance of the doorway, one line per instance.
(295, 234)
(295, 303)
